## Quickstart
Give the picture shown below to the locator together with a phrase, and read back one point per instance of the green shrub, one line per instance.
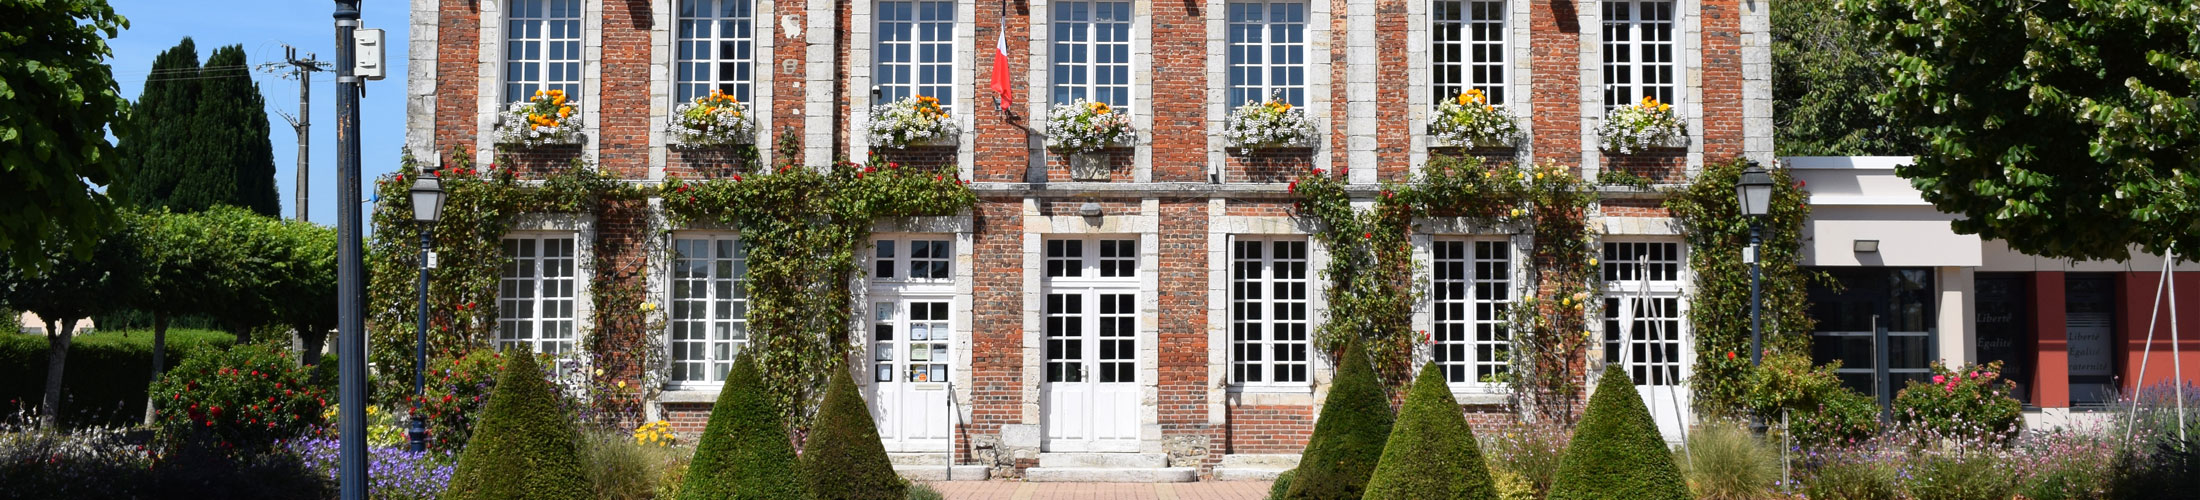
(844, 459)
(1979, 473)
(621, 469)
(1851, 479)
(921, 491)
(1348, 439)
(2066, 464)
(744, 451)
(525, 446)
(1530, 450)
(244, 399)
(107, 374)
(458, 389)
(1821, 412)
(1968, 403)
(1724, 461)
(1513, 486)
(1616, 451)
(1282, 485)
(1432, 452)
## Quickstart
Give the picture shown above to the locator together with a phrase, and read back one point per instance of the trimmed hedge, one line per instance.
(107, 373)
(844, 459)
(525, 447)
(744, 451)
(1348, 439)
(1617, 452)
(1432, 451)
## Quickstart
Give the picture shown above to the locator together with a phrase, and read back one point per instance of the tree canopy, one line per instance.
(2068, 129)
(201, 136)
(1824, 73)
(57, 100)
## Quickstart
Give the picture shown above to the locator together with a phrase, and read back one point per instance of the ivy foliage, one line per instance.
(2067, 129)
(1718, 314)
(1373, 289)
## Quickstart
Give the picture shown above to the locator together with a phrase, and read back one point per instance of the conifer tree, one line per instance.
(162, 122)
(1348, 439)
(524, 446)
(1432, 452)
(201, 136)
(744, 452)
(844, 459)
(1617, 451)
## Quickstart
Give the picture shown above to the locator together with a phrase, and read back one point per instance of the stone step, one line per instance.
(1111, 475)
(1103, 460)
(942, 472)
(1277, 461)
(928, 458)
(1240, 474)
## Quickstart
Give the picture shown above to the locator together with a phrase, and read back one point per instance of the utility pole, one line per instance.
(302, 69)
(351, 327)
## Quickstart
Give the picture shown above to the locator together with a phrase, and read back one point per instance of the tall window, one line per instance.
(1470, 48)
(1268, 320)
(710, 307)
(916, 50)
(1638, 52)
(542, 48)
(1092, 52)
(717, 48)
(535, 295)
(1642, 310)
(1473, 282)
(1267, 51)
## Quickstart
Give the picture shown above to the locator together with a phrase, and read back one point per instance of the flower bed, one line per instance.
(909, 121)
(546, 118)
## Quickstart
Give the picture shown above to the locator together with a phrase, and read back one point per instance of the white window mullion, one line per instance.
(1092, 50)
(1268, 303)
(1471, 45)
(1472, 301)
(716, 49)
(1639, 52)
(709, 308)
(1267, 51)
(536, 299)
(915, 50)
(542, 48)
(1642, 310)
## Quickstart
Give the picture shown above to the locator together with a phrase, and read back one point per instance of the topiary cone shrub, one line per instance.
(524, 446)
(1432, 451)
(744, 451)
(1617, 452)
(1348, 439)
(844, 459)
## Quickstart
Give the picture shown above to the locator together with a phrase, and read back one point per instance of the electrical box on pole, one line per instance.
(370, 62)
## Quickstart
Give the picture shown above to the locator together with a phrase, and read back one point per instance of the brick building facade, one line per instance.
(1069, 319)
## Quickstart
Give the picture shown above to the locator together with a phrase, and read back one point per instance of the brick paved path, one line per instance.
(1018, 490)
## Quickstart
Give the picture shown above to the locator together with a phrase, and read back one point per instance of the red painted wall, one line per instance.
(2136, 300)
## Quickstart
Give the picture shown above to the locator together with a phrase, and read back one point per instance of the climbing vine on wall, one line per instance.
(1374, 289)
(1718, 311)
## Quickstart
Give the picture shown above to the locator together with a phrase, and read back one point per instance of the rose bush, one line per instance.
(243, 399)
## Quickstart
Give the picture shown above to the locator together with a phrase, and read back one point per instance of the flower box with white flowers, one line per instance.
(1645, 125)
(912, 121)
(547, 118)
(1269, 125)
(1082, 130)
(714, 120)
(1468, 120)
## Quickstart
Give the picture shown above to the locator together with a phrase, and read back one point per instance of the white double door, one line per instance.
(911, 357)
(1644, 335)
(1091, 394)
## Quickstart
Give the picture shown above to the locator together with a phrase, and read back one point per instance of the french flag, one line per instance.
(1000, 66)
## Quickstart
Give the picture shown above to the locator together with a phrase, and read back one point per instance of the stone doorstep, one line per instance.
(1109, 468)
(943, 472)
(925, 458)
(1104, 460)
(1251, 467)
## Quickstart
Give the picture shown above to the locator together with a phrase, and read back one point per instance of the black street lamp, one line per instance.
(427, 204)
(1753, 191)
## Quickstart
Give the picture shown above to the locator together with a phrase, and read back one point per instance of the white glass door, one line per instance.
(1091, 399)
(910, 359)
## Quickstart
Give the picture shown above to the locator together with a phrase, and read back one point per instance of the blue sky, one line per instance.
(262, 27)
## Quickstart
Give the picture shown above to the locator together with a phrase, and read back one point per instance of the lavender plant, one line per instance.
(392, 473)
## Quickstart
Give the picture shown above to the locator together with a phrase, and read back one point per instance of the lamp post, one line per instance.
(427, 205)
(1753, 192)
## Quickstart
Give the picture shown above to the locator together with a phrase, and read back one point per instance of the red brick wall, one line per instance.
(687, 419)
(1489, 419)
(458, 73)
(917, 156)
(704, 163)
(1268, 165)
(788, 89)
(1122, 166)
(1183, 299)
(1661, 165)
(1491, 157)
(1258, 208)
(1392, 87)
(1003, 147)
(539, 162)
(622, 126)
(1179, 90)
(1554, 39)
(1634, 207)
(1722, 80)
(997, 339)
(1070, 206)
(1270, 429)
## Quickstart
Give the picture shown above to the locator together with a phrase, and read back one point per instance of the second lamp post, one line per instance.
(427, 205)
(1754, 193)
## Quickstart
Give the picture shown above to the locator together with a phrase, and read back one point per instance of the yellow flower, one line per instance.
(565, 111)
(1592, 261)
(649, 306)
(1487, 107)
(1664, 108)
(599, 372)
(622, 384)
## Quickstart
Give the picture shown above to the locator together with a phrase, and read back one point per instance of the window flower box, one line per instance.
(1648, 124)
(1468, 120)
(547, 118)
(711, 121)
(1269, 125)
(911, 121)
(1082, 126)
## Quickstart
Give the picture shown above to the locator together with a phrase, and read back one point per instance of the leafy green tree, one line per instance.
(202, 136)
(844, 459)
(66, 290)
(1432, 452)
(525, 447)
(2068, 129)
(58, 99)
(1824, 73)
(1348, 439)
(1617, 452)
(744, 452)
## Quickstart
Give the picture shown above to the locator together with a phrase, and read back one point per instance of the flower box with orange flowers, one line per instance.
(1468, 120)
(546, 118)
(1083, 126)
(713, 120)
(1271, 124)
(912, 121)
(1647, 124)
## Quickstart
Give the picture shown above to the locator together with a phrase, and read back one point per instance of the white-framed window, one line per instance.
(1471, 47)
(1091, 309)
(1268, 312)
(916, 50)
(716, 49)
(1643, 319)
(1472, 298)
(1092, 52)
(1639, 52)
(709, 307)
(1267, 51)
(542, 48)
(535, 294)
(925, 258)
(1092, 258)
(909, 338)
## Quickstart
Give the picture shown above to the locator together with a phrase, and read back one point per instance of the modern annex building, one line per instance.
(1186, 371)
